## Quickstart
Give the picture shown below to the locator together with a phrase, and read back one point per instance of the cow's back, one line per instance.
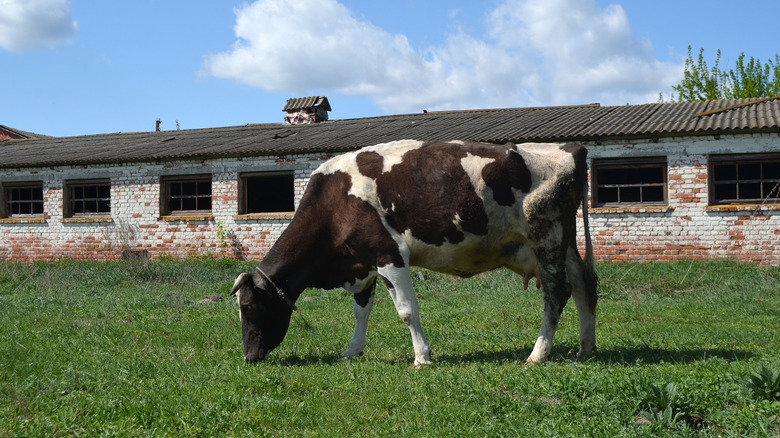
(459, 207)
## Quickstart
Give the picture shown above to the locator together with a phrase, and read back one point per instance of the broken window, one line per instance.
(186, 194)
(744, 179)
(23, 199)
(86, 198)
(267, 192)
(620, 182)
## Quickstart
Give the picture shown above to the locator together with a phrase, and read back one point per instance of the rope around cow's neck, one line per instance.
(283, 296)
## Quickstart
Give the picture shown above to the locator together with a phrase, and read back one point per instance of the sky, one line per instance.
(82, 67)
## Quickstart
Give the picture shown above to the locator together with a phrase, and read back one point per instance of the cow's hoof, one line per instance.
(583, 354)
(421, 363)
(351, 353)
(532, 362)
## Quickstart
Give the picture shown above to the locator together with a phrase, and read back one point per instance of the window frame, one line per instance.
(243, 191)
(599, 164)
(737, 160)
(166, 197)
(69, 197)
(16, 185)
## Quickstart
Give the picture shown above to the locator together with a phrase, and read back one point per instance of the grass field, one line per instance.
(126, 349)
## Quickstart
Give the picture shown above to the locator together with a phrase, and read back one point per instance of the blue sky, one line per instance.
(76, 67)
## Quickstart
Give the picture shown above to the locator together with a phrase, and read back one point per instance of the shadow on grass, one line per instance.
(608, 356)
(649, 355)
(563, 353)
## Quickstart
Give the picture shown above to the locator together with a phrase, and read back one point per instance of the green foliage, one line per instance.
(664, 405)
(126, 348)
(749, 79)
(699, 81)
(765, 383)
(752, 79)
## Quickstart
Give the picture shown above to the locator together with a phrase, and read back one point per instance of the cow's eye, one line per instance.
(247, 307)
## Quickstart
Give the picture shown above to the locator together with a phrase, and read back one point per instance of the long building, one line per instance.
(668, 181)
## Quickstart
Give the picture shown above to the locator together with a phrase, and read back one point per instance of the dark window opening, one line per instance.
(629, 182)
(267, 193)
(88, 198)
(744, 180)
(187, 194)
(24, 199)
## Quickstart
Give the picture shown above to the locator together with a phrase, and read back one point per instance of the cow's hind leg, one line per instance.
(363, 303)
(399, 284)
(583, 292)
(555, 292)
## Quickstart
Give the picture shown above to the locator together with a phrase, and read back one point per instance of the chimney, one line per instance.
(157, 125)
(305, 110)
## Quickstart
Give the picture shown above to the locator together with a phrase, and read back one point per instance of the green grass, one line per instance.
(125, 349)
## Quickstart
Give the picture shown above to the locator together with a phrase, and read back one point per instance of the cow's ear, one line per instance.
(242, 280)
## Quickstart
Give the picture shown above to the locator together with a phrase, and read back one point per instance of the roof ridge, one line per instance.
(739, 105)
(523, 108)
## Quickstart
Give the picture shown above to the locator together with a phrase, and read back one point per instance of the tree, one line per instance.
(749, 79)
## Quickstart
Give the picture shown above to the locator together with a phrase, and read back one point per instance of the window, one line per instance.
(622, 182)
(269, 192)
(744, 180)
(183, 195)
(23, 199)
(87, 198)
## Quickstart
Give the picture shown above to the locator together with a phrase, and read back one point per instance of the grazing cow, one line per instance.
(456, 207)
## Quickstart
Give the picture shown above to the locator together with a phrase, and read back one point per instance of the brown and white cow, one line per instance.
(455, 207)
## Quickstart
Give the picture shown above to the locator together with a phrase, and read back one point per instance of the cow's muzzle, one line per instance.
(258, 356)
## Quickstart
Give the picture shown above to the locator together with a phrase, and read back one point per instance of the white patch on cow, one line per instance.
(394, 152)
(460, 142)
(473, 166)
(360, 284)
(238, 301)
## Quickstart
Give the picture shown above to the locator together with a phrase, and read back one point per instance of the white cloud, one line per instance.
(555, 52)
(30, 24)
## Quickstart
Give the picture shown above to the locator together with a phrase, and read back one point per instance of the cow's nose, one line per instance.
(254, 358)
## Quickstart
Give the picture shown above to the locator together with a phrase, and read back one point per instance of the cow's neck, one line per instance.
(293, 260)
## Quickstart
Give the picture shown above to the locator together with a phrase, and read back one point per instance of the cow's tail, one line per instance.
(591, 279)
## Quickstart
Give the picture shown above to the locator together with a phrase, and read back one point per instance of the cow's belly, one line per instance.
(473, 256)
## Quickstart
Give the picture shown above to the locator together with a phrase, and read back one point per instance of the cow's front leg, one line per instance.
(555, 292)
(362, 305)
(399, 284)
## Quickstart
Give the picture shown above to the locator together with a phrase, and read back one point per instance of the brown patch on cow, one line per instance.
(346, 238)
(508, 171)
(370, 164)
(363, 298)
(428, 190)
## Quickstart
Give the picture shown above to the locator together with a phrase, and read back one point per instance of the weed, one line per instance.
(765, 383)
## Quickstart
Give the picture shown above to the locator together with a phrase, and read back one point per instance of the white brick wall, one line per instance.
(136, 222)
(686, 228)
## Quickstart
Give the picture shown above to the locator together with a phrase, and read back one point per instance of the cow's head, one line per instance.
(265, 317)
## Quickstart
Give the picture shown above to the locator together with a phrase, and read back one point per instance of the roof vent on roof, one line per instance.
(304, 110)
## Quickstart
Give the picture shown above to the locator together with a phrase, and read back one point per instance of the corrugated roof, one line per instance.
(571, 123)
(307, 102)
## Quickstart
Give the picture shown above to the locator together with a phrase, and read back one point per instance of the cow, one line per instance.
(456, 207)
